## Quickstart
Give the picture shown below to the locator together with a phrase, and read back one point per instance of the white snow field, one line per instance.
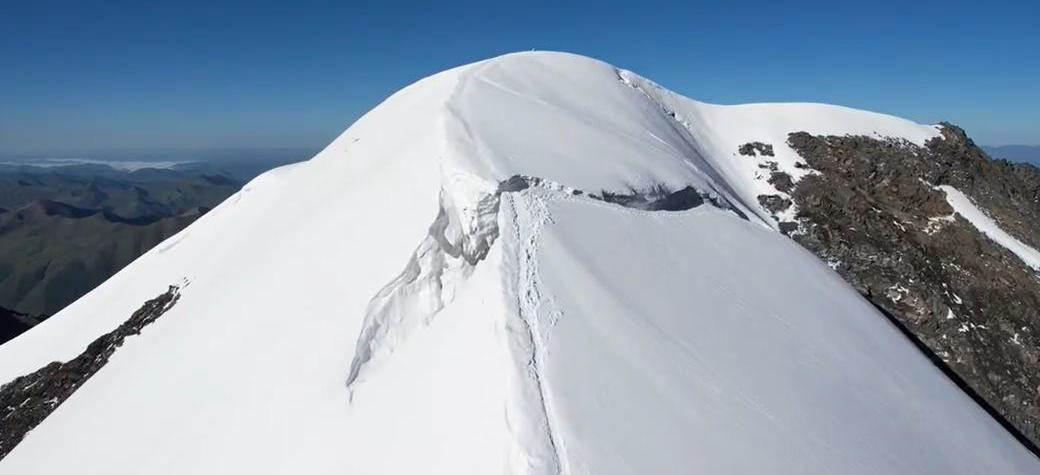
(978, 218)
(392, 307)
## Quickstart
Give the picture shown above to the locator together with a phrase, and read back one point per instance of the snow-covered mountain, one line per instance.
(534, 264)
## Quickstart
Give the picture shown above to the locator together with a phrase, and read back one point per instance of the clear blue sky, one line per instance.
(199, 74)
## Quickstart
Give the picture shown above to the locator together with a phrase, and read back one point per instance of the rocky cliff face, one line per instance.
(872, 210)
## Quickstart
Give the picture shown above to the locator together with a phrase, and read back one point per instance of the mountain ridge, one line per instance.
(415, 297)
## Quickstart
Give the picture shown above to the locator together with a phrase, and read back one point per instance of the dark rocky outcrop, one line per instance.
(781, 181)
(27, 400)
(769, 165)
(774, 203)
(750, 149)
(1010, 192)
(872, 213)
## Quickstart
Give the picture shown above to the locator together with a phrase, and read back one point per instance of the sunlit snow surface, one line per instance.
(978, 218)
(586, 338)
(713, 346)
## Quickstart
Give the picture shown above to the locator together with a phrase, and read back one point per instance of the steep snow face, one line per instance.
(695, 351)
(452, 287)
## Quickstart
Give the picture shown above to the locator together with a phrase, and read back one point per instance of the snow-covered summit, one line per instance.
(538, 263)
(592, 126)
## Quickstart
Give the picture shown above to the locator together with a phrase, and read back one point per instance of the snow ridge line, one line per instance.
(419, 292)
(723, 196)
(527, 340)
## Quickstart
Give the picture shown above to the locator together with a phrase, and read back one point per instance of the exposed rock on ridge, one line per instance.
(28, 400)
(872, 211)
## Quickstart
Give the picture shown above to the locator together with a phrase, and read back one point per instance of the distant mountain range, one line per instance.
(1016, 153)
(66, 225)
(241, 165)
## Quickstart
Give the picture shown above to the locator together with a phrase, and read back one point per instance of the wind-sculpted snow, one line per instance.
(536, 264)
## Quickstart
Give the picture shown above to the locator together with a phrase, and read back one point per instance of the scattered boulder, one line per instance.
(775, 204)
(769, 165)
(788, 227)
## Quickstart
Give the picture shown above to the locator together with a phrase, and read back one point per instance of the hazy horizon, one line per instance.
(160, 154)
(1012, 152)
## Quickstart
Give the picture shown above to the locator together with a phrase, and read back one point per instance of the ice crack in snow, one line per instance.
(459, 238)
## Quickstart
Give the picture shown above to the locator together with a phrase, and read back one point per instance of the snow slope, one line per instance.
(443, 290)
(978, 218)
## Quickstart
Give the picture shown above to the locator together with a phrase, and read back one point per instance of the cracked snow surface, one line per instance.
(461, 236)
